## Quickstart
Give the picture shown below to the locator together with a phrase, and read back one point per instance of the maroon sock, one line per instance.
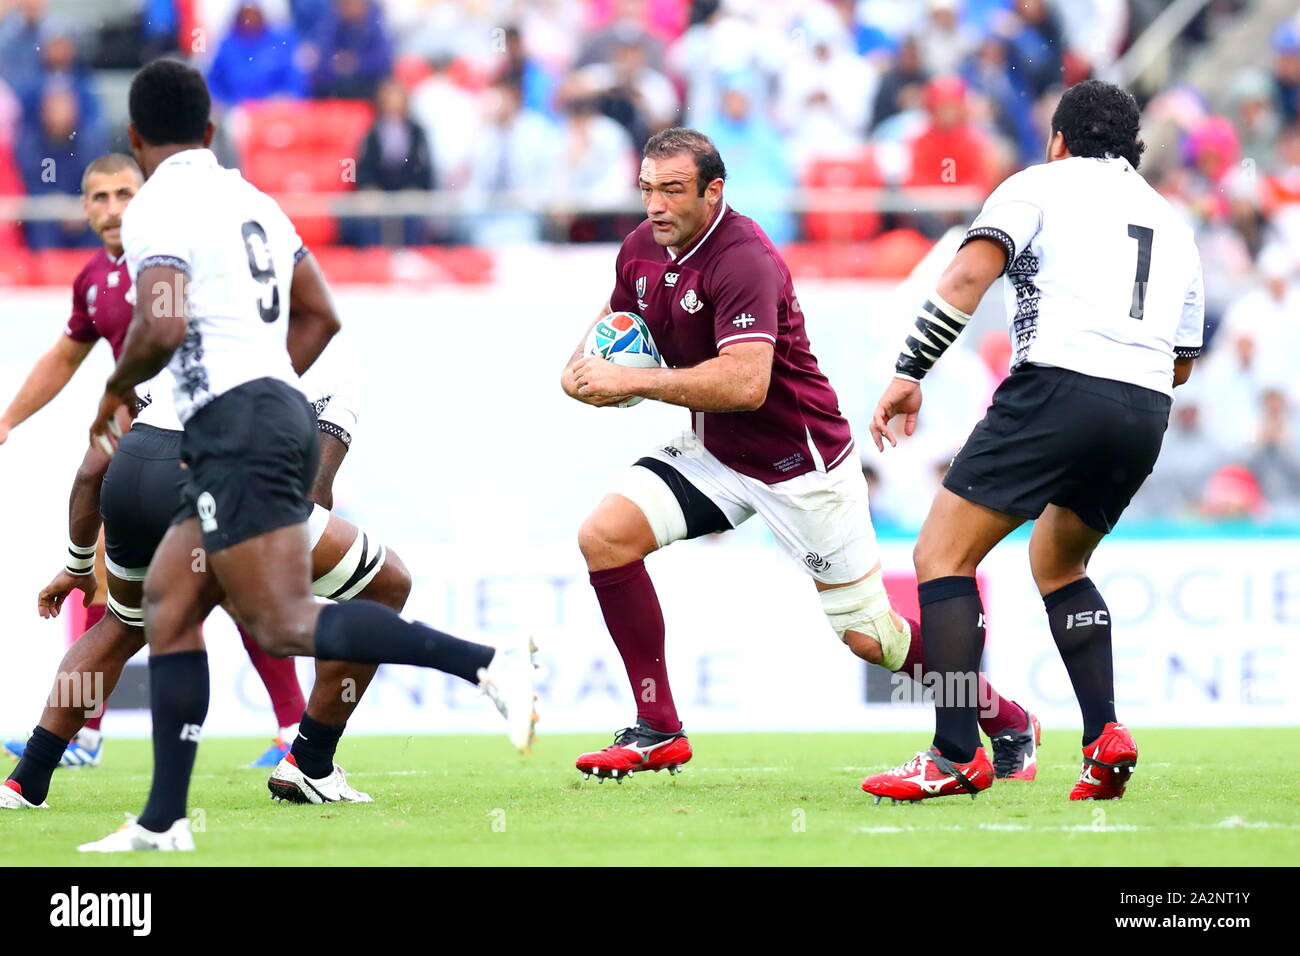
(636, 623)
(281, 680)
(996, 714)
(94, 614)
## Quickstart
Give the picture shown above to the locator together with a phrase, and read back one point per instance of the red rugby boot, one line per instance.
(636, 749)
(1015, 752)
(1108, 763)
(929, 774)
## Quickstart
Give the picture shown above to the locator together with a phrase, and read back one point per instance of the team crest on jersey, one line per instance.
(640, 286)
(670, 278)
(691, 302)
(113, 279)
(91, 295)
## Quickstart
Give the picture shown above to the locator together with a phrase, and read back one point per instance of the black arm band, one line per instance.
(937, 326)
(1187, 351)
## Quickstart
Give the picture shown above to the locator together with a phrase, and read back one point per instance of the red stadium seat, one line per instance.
(853, 172)
(59, 267)
(896, 253)
(300, 146)
(17, 267)
(827, 260)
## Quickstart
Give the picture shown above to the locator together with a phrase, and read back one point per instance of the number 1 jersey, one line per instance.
(238, 250)
(1103, 276)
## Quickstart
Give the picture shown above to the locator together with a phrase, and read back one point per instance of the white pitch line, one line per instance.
(1232, 823)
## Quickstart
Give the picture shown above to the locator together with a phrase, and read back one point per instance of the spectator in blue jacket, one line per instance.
(53, 155)
(254, 61)
(20, 31)
(351, 53)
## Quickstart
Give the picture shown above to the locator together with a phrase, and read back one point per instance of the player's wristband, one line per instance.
(937, 326)
(81, 560)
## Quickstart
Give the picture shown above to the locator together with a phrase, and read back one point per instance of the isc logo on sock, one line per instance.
(191, 732)
(1087, 619)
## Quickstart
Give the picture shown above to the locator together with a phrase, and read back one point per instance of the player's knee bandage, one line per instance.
(864, 609)
(663, 512)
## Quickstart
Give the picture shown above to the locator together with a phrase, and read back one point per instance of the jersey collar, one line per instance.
(717, 218)
(189, 157)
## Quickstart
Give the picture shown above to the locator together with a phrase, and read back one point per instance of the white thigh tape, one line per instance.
(355, 570)
(132, 616)
(124, 574)
(657, 502)
(317, 522)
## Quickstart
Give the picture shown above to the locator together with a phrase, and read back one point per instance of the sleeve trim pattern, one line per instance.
(329, 428)
(997, 235)
(173, 262)
(727, 340)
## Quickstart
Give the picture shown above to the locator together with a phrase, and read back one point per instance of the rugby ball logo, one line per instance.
(624, 339)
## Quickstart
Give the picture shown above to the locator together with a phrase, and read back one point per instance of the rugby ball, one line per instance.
(624, 339)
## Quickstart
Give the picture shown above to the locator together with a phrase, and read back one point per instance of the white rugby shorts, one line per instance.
(821, 518)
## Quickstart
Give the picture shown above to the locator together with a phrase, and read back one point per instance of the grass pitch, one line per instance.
(1199, 797)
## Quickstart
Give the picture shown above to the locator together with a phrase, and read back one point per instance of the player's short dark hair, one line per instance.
(1099, 119)
(678, 140)
(110, 163)
(169, 103)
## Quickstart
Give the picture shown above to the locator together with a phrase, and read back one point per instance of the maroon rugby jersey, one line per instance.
(731, 285)
(99, 306)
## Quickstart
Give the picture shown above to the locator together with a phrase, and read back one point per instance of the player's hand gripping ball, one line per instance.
(624, 339)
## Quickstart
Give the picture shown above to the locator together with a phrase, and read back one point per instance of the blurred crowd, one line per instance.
(532, 113)
(552, 99)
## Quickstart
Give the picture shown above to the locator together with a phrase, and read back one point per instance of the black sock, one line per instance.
(1080, 625)
(313, 748)
(952, 628)
(40, 759)
(368, 633)
(178, 696)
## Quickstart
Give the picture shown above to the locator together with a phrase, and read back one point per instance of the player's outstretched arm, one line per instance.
(157, 330)
(83, 532)
(736, 381)
(312, 319)
(939, 321)
(332, 453)
(52, 371)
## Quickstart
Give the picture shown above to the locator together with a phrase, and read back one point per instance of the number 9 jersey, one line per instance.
(238, 250)
(1103, 276)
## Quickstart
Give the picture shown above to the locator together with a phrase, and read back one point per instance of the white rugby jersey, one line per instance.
(1103, 277)
(238, 249)
(330, 386)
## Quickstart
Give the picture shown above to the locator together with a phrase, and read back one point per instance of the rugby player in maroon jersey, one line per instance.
(767, 437)
(100, 311)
